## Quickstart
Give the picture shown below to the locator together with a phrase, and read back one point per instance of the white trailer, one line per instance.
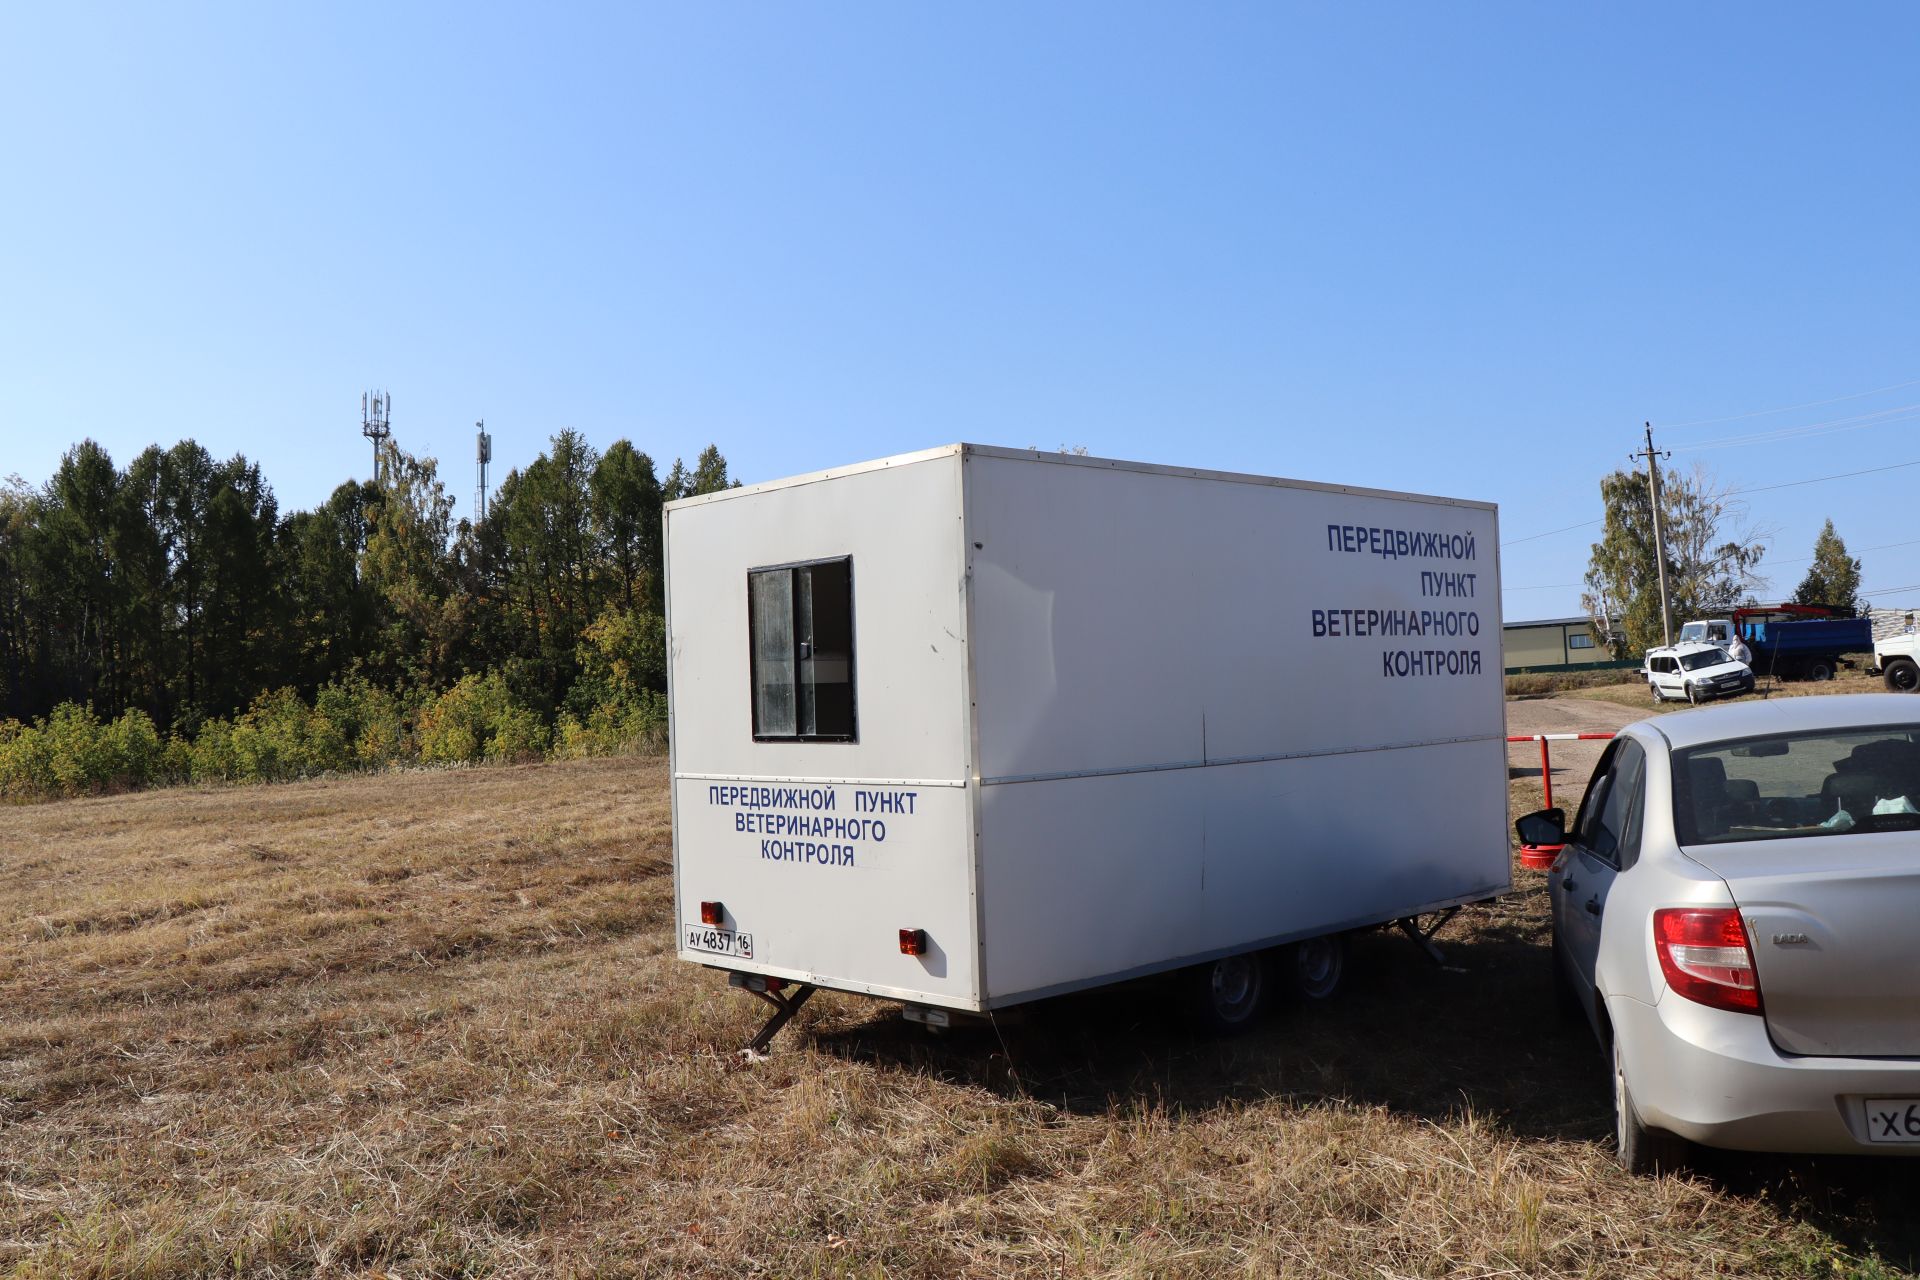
(974, 726)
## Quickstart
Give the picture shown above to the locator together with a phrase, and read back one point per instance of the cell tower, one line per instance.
(376, 423)
(483, 454)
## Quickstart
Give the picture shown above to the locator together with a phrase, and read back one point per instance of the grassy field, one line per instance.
(429, 1024)
(1635, 693)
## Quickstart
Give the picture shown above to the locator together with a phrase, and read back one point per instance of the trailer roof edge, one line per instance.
(1075, 460)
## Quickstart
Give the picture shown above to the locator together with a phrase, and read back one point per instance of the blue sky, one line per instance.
(1455, 249)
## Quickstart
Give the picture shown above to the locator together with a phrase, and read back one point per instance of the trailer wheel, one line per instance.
(1902, 675)
(1315, 966)
(1818, 669)
(1225, 997)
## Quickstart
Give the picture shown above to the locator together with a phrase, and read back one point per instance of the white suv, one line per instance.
(1695, 672)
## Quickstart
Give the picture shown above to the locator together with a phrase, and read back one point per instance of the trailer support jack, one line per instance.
(785, 1005)
(1422, 937)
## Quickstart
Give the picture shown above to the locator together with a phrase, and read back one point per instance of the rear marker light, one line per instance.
(1706, 957)
(913, 942)
(713, 913)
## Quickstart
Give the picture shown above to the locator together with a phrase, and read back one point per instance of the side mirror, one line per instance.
(1546, 827)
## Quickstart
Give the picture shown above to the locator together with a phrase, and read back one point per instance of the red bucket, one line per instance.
(1539, 857)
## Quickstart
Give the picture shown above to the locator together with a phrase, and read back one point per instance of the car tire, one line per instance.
(1658, 696)
(1902, 675)
(1642, 1151)
(1225, 997)
(1314, 967)
(1818, 669)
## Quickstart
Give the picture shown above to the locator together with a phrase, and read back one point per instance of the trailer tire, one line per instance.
(1902, 675)
(1818, 669)
(1225, 997)
(1315, 966)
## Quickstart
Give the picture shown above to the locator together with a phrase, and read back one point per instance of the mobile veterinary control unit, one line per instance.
(974, 726)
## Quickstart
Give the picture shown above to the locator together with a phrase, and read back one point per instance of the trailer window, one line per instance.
(801, 646)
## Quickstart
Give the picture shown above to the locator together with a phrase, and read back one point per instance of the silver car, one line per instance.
(1737, 915)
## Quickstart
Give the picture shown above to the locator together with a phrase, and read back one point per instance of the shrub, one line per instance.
(138, 753)
(211, 757)
(479, 719)
(364, 718)
(71, 753)
(635, 723)
(26, 765)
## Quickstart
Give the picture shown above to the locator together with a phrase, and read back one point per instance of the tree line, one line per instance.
(1713, 560)
(175, 586)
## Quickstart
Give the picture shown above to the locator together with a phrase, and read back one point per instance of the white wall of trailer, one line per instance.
(1112, 718)
(1179, 757)
(744, 811)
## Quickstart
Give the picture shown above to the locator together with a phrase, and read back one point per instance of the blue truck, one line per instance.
(1791, 641)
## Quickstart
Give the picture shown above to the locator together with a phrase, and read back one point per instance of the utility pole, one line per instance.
(1659, 529)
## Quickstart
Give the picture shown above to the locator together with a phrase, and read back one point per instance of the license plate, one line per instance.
(720, 942)
(1893, 1119)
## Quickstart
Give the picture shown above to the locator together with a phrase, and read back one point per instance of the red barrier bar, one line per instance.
(1541, 857)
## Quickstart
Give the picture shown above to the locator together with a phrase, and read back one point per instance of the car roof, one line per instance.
(1685, 646)
(1836, 711)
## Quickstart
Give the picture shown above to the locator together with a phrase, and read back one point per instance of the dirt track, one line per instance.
(1572, 761)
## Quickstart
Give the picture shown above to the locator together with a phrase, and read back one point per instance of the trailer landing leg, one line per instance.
(1422, 937)
(785, 1005)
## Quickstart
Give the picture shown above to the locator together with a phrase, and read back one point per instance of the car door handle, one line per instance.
(1593, 906)
(1568, 884)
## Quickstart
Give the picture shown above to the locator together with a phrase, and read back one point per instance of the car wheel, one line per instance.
(1657, 695)
(1225, 997)
(1819, 669)
(1642, 1151)
(1315, 966)
(1692, 697)
(1902, 675)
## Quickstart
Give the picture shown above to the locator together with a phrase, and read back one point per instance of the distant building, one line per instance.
(1551, 643)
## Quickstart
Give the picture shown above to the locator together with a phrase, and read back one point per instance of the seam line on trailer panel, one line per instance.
(1119, 770)
(820, 782)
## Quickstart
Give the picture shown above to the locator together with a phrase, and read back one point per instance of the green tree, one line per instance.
(626, 519)
(1710, 558)
(408, 564)
(1834, 577)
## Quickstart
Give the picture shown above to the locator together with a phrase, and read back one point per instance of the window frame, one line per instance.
(753, 656)
(1608, 776)
(1580, 640)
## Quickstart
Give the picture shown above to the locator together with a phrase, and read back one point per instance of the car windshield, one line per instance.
(1803, 784)
(1705, 658)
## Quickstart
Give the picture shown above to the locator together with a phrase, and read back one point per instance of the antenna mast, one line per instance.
(376, 423)
(483, 454)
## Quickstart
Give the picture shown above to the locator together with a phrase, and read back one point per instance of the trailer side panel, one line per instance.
(1215, 714)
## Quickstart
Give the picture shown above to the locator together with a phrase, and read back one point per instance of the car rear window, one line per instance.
(1797, 785)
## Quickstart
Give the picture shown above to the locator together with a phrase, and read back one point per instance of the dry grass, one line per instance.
(1636, 694)
(430, 1024)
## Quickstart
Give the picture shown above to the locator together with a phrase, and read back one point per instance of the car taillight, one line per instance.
(713, 913)
(913, 942)
(1705, 957)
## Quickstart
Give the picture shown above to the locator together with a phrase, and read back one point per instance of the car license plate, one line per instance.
(1893, 1119)
(720, 942)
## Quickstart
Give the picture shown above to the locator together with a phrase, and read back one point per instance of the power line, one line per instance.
(1844, 475)
(1549, 533)
(1763, 488)
(1852, 551)
(1547, 586)
(1880, 418)
(1789, 408)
